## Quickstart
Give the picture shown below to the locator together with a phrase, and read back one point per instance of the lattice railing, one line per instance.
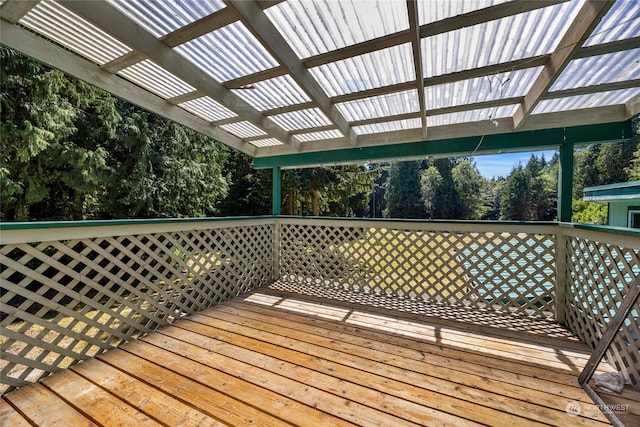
(600, 268)
(71, 293)
(501, 267)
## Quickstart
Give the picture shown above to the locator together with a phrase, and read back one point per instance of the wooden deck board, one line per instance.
(275, 358)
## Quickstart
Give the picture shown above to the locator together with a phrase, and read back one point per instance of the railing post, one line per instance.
(565, 182)
(561, 277)
(277, 191)
(275, 257)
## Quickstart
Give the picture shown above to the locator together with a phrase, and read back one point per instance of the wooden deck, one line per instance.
(275, 357)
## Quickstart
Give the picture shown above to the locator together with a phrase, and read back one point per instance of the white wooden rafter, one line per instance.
(260, 26)
(580, 29)
(132, 34)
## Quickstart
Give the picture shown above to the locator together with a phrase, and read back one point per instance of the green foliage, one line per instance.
(249, 189)
(67, 153)
(403, 195)
(162, 169)
(328, 191)
(589, 212)
(470, 189)
(515, 201)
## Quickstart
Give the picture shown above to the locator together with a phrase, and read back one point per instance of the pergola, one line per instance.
(301, 82)
(281, 320)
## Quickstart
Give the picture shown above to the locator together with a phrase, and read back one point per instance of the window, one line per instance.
(633, 217)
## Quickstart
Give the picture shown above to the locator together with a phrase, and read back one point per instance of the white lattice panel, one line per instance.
(598, 278)
(506, 272)
(68, 300)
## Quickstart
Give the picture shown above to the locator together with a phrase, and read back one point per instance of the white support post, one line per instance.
(561, 277)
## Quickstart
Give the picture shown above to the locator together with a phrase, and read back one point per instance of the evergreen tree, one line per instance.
(48, 160)
(403, 191)
(470, 190)
(515, 201)
(249, 189)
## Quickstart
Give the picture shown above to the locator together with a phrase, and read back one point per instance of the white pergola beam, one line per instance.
(133, 35)
(414, 30)
(40, 49)
(253, 17)
(586, 21)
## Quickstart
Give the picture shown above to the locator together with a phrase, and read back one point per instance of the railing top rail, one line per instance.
(538, 227)
(25, 232)
(622, 236)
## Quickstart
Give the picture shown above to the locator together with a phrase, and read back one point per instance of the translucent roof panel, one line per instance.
(609, 68)
(375, 69)
(79, 35)
(317, 136)
(156, 79)
(600, 99)
(380, 106)
(268, 142)
(621, 22)
(392, 126)
(431, 11)
(302, 119)
(488, 88)
(472, 115)
(163, 17)
(273, 93)
(497, 41)
(243, 130)
(326, 25)
(231, 52)
(208, 109)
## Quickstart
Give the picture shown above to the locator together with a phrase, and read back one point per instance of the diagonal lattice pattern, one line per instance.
(598, 276)
(64, 301)
(503, 272)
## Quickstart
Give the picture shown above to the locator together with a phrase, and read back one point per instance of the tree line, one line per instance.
(71, 151)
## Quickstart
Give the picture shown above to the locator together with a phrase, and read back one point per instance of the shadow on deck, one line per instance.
(290, 354)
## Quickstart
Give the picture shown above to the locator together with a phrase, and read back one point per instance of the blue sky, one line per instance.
(501, 164)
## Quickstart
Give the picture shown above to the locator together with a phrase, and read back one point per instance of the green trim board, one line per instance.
(619, 191)
(482, 144)
(34, 225)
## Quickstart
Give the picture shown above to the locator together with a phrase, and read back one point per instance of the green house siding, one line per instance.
(622, 199)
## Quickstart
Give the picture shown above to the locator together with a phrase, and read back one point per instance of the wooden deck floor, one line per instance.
(279, 358)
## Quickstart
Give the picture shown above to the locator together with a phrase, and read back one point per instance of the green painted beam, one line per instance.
(565, 183)
(277, 190)
(491, 144)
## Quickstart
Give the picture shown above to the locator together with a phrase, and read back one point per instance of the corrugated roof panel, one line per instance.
(375, 69)
(302, 119)
(273, 93)
(156, 79)
(586, 101)
(231, 52)
(380, 106)
(163, 17)
(487, 88)
(243, 129)
(432, 11)
(388, 126)
(269, 142)
(609, 68)
(514, 37)
(472, 115)
(326, 25)
(317, 136)
(77, 34)
(208, 109)
(621, 22)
